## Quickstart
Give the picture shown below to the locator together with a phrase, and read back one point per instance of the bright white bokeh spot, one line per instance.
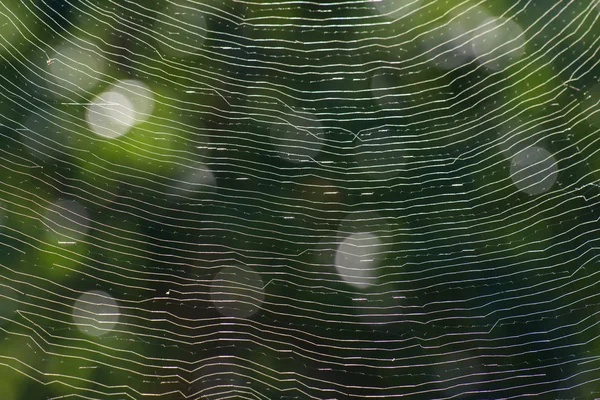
(237, 292)
(96, 313)
(181, 29)
(77, 67)
(299, 140)
(534, 170)
(355, 259)
(110, 115)
(498, 42)
(66, 221)
(192, 181)
(139, 95)
(394, 9)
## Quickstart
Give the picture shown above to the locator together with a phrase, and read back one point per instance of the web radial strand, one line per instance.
(349, 199)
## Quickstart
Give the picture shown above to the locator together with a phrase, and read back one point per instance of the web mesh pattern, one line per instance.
(362, 199)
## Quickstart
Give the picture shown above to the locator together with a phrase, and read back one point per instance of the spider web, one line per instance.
(362, 199)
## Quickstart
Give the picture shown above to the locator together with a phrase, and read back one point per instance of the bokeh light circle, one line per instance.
(110, 115)
(96, 313)
(534, 170)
